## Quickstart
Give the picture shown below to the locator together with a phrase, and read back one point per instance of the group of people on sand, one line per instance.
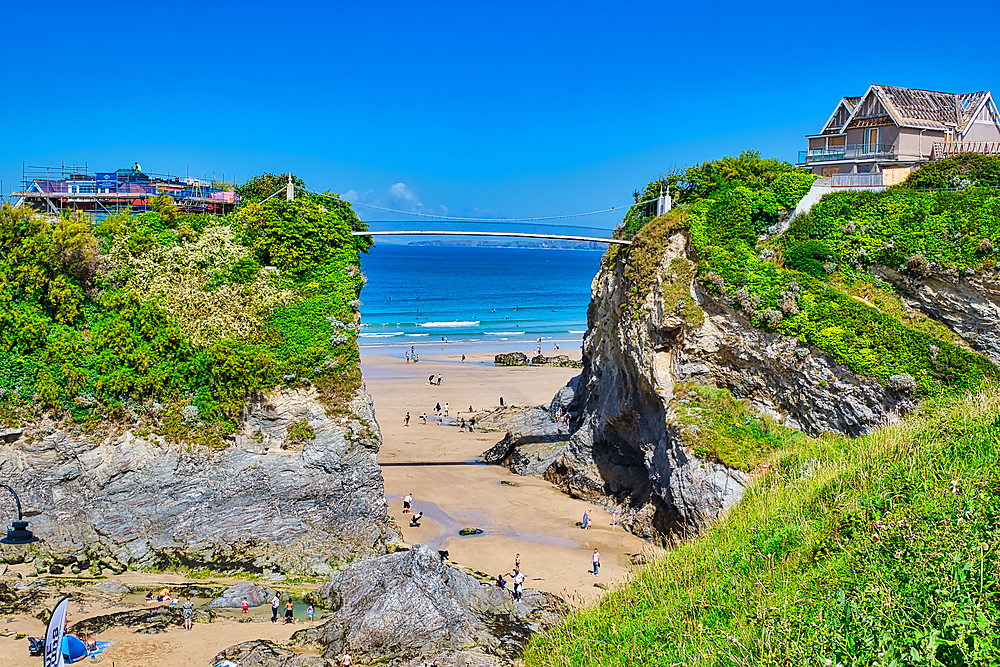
(440, 414)
(289, 616)
(164, 595)
(408, 509)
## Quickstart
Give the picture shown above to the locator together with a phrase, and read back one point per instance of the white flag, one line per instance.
(54, 635)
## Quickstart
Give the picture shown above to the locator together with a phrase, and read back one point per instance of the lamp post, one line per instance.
(18, 533)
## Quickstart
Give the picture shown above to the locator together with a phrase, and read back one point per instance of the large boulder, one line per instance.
(233, 596)
(409, 608)
(533, 440)
(560, 360)
(511, 359)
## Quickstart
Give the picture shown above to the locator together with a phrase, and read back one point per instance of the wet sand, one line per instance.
(431, 462)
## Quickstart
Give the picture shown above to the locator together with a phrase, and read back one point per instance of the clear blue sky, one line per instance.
(493, 109)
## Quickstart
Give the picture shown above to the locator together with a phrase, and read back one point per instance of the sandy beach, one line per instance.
(524, 515)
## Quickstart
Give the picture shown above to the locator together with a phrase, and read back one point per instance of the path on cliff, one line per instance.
(525, 515)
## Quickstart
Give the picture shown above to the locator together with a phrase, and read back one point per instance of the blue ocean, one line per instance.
(423, 294)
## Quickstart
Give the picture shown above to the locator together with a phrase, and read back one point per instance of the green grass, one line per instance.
(720, 428)
(877, 551)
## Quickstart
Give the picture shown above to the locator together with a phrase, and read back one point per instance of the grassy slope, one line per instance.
(878, 551)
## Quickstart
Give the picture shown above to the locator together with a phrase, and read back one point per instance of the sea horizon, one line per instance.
(454, 295)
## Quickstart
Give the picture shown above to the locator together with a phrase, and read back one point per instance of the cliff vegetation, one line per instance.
(876, 551)
(793, 283)
(175, 319)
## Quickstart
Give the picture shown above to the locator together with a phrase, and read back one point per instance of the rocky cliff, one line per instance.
(626, 450)
(968, 303)
(271, 500)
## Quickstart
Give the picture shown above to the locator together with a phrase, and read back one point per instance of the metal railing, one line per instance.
(857, 180)
(949, 148)
(848, 152)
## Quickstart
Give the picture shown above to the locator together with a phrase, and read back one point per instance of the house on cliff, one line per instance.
(879, 138)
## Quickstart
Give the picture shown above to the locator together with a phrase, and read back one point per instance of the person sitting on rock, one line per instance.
(501, 582)
(415, 521)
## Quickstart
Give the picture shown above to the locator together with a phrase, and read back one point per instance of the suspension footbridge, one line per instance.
(526, 235)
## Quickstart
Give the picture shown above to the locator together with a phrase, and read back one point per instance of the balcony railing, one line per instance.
(848, 152)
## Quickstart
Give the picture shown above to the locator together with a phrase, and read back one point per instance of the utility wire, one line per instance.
(483, 222)
(446, 217)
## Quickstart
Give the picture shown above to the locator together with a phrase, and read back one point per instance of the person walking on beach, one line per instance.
(461, 425)
(274, 608)
(472, 425)
(406, 503)
(463, 358)
(407, 357)
(246, 607)
(597, 561)
(437, 409)
(188, 613)
(289, 612)
(445, 405)
(406, 419)
(517, 561)
(423, 417)
(439, 380)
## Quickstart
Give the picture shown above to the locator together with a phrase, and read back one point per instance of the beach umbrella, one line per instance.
(73, 649)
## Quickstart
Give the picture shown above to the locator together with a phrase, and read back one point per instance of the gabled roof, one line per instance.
(916, 108)
(840, 115)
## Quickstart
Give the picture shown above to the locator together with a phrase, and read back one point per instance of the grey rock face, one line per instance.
(533, 441)
(410, 606)
(624, 452)
(968, 306)
(135, 500)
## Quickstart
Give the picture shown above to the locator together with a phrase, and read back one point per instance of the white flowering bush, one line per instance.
(182, 280)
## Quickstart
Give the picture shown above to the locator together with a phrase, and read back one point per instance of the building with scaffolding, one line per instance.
(75, 188)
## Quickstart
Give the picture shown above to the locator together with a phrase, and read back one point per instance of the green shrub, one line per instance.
(959, 171)
(808, 257)
(791, 186)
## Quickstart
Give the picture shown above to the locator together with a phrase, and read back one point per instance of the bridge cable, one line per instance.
(446, 217)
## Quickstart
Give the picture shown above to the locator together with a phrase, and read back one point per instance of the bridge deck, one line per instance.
(529, 235)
